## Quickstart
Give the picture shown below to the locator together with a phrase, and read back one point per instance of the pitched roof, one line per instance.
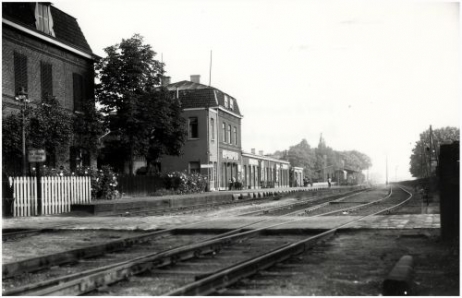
(196, 95)
(66, 28)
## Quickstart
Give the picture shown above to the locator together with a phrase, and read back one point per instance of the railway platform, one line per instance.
(407, 221)
(133, 204)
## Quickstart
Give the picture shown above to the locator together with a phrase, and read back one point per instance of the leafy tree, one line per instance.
(164, 131)
(12, 143)
(48, 126)
(302, 155)
(88, 127)
(356, 160)
(323, 159)
(140, 115)
(423, 153)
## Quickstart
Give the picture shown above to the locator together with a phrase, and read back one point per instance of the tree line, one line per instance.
(316, 161)
(424, 157)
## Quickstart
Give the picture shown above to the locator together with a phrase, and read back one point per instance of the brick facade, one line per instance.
(64, 64)
(51, 64)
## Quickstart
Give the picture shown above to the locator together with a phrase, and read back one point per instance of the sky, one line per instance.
(368, 75)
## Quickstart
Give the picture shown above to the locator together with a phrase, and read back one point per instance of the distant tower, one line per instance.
(322, 144)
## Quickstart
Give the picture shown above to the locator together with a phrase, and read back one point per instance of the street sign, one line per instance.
(37, 155)
(204, 166)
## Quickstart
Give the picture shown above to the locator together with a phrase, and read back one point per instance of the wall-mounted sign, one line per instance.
(253, 162)
(204, 166)
(37, 155)
(230, 155)
(285, 167)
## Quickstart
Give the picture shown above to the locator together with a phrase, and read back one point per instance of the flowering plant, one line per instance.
(104, 183)
(182, 182)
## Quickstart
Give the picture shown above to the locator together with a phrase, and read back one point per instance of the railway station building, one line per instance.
(214, 145)
(45, 53)
(260, 171)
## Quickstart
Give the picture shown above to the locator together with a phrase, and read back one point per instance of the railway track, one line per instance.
(241, 198)
(203, 255)
(72, 256)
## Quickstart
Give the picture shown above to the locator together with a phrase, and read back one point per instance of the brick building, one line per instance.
(262, 171)
(213, 146)
(45, 52)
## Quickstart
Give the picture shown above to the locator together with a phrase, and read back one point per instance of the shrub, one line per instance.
(103, 182)
(182, 182)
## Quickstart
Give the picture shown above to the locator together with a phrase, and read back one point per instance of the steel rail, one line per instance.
(267, 195)
(92, 251)
(232, 274)
(360, 206)
(272, 209)
(7, 234)
(92, 279)
(38, 263)
(327, 203)
(89, 280)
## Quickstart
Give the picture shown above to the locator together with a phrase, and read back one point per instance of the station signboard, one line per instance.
(37, 155)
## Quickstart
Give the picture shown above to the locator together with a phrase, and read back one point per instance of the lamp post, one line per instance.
(22, 98)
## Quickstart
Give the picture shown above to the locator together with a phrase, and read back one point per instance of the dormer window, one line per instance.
(43, 19)
(231, 104)
(226, 101)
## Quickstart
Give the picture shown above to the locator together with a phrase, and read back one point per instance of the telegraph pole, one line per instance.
(210, 69)
(386, 169)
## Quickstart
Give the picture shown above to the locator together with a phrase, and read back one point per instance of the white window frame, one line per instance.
(223, 131)
(196, 169)
(231, 104)
(212, 126)
(230, 141)
(190, 136)
(43, 18)
(226, 100)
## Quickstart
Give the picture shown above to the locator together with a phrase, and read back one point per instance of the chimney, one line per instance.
(260, 152)
(165, 81)
(252, 150)
(196, 79)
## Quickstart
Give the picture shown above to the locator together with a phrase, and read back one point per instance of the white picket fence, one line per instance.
(58, 193)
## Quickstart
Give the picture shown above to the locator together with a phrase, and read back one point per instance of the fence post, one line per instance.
(67, 198)
(51, 208)
(17, 196)
(89, 190)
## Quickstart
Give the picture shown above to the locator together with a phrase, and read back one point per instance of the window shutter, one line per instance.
(78, 94)
(46, 70)
(20, 72)
(89, 89)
